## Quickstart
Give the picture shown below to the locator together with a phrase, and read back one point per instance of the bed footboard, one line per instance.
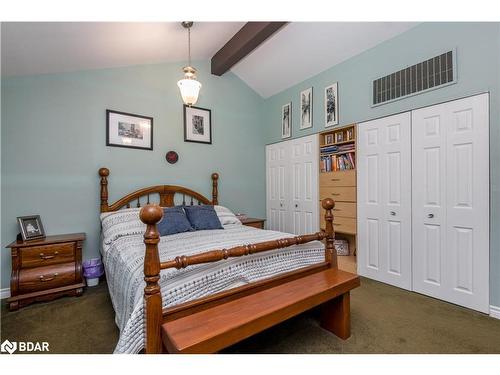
(152, 214)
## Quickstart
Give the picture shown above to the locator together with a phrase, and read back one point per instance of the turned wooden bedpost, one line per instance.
(330, 252)
(104, 173)
(151, 215)
(215, 190)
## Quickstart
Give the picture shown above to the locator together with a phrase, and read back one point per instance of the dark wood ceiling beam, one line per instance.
(242, 43)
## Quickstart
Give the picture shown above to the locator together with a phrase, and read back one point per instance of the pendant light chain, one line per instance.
(189, 46)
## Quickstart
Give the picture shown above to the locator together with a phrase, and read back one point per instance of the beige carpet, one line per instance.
(385, 319)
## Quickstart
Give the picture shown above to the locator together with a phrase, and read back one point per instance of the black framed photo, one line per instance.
(286, 120)
(31, 227)
(306, 108)
(331, 105)
(129, 130)
(197, 125)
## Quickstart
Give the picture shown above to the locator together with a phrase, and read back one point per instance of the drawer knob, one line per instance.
(45, 279)
(50, 256)
(335, 179)
(335, 194)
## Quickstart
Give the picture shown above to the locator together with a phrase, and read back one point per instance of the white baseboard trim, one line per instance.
(495, 312)
(5, 293)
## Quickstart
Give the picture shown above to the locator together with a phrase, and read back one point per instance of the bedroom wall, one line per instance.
(478, 62)
(53, 142)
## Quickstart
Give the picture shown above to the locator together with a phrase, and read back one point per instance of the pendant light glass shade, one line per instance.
(189, 86)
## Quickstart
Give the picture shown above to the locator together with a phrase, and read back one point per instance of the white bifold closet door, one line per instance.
(384, 200)
(292, 169)
(451, 201)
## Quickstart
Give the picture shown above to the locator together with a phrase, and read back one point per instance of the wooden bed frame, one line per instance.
(182, 328)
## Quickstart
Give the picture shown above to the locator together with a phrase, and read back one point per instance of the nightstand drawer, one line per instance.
(37, 256)
(48, 277)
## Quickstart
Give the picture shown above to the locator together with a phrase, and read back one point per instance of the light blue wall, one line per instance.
(478, 62)
(53, 142)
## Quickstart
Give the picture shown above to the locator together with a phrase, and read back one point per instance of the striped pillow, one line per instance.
(226, 216)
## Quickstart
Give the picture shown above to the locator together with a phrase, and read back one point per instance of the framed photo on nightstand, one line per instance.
(31, 227)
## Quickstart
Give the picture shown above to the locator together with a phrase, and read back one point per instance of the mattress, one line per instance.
(123, 257)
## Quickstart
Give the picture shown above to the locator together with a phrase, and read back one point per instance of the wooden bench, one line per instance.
(218, 327)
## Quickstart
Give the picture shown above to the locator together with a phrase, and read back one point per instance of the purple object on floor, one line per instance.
(93, 268)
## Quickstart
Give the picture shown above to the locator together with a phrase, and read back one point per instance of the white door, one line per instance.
(304, 160)
(451, 201)
(277, 186)
(384, 200)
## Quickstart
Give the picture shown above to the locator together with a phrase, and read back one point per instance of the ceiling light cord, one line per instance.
(189, 46)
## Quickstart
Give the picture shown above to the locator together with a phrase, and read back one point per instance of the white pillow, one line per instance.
(121, 223)
(226, 216)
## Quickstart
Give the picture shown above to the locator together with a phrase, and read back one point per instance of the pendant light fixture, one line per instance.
(189, 86)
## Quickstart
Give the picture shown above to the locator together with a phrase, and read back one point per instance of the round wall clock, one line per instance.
(172, 157)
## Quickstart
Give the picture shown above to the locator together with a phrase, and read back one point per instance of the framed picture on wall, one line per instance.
(286, 120)
(331, 105)
(31, 227)
(129, 130)
(306, 108)
(197, 125)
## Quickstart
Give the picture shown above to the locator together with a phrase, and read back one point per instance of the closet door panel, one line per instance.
(467, 201)
(384, 200)
(428, 208)
(304, 161)
(277, 186)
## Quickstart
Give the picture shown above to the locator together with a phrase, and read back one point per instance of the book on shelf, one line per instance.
(332, 163)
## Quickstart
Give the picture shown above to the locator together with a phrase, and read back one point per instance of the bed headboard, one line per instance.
(166, 195)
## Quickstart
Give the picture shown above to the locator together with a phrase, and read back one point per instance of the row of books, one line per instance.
(328, 149)
(333, 163)
(346, 147)
(337, 149)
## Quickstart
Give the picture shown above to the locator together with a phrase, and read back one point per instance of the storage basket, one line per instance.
(342, 247)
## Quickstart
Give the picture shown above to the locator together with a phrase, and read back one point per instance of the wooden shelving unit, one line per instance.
(337, 179)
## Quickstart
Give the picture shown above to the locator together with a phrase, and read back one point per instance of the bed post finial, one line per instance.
(330, 252)
(104, 173)
(215, 189)
(151, 215)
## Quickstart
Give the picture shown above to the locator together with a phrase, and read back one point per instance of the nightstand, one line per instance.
(253, 222)
(45, 269)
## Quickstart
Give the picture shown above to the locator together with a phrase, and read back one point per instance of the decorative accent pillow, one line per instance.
(202, 217)
(226, 216)
(174, 221)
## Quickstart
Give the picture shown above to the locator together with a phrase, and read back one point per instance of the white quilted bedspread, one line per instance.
(123, 256)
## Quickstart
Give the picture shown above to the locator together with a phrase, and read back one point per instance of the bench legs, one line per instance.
(336, 316)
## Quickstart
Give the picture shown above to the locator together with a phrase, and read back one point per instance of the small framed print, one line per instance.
(286, 120)
(129, 130)
(197, 125)
(31, 227)
(339, 137)
(331, 105)
(328, 139)
(306, 108)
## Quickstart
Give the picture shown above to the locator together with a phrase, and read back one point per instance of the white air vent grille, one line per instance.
(429, 74)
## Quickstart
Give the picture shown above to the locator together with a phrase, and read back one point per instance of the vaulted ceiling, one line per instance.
(296, 52)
